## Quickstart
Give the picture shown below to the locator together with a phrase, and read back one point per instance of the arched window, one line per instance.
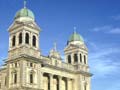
(13, 40)
(34, 41)
(15, 78)
(31, 64)
(75, 58)
(31, 77)
(27, 38)
(16, 64)
(84, 59)
(81, 58)
(69, 59)
(5, 80)
(20, 38)
(0, 85)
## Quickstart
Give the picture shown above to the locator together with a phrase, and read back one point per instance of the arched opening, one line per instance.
(16, 65)
(69, 59)
(34, 41)
(55, 82)
(85, 59)
(85, 87)
(15, 78)
(46, 81)
(5, 80)
(13, 40)
(31, 77)
(75, 58)
(20, 38)
(64, 84)
(0, 85)
(81, 58)
(27, 38)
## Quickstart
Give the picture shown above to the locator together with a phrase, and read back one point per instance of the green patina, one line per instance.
(75, 37)
(24, 12)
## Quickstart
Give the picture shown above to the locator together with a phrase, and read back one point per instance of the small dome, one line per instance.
(75, 37)
(24, 12)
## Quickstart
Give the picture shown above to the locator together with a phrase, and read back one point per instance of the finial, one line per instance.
(75, 28)
(25, 2)
(55, 46)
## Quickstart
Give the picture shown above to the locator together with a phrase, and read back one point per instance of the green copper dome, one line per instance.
(75, 37)
(24, 12)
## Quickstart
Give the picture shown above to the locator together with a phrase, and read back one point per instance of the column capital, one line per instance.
(60, 77)
(51, 75)
(69, 79)
(42, 73)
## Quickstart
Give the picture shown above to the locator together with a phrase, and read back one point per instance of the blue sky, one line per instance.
(98, 21)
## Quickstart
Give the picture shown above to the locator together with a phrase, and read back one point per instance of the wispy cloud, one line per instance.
(115, 31)
(114, 86)
(117, 17)
(102, 63)
(2, 60)
(107, 29)
(102, 28)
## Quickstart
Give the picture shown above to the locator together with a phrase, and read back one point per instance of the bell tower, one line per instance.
(76, 52)
(24, 34)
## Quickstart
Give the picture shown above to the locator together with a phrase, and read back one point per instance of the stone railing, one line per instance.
(67, 66)
(63, 65)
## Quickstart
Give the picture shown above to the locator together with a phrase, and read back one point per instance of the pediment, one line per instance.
(17, 24)
(71, 47)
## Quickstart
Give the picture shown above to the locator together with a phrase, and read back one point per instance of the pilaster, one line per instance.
(41, 80)
(72, 58)
(51, 81)
(60, 82)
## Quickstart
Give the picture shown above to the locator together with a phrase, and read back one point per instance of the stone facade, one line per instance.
(27, 69)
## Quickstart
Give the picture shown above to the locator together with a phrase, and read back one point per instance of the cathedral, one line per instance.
(27, 69)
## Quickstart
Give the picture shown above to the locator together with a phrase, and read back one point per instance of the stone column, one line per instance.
(37, 41)
(86, 59)
(30, 39)
(60, 82)
(51, 81)
(78, 55)
(10, 42)
(66, 58)
(17, 39)
(23, 38)
(69, 84)
(82, 58)
(72, 58)
(41, 80)
(89, 84)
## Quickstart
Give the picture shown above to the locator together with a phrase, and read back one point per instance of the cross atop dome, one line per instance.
(75, 28)
(55, 46)
(25, 3)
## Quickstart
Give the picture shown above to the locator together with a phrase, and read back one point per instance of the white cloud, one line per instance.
(103, 28)
(115, 31)
(93, 45)
(2, 59)
(103, 52)
(107, 29)
(113, 85)
(117, 17)
(102, 63)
